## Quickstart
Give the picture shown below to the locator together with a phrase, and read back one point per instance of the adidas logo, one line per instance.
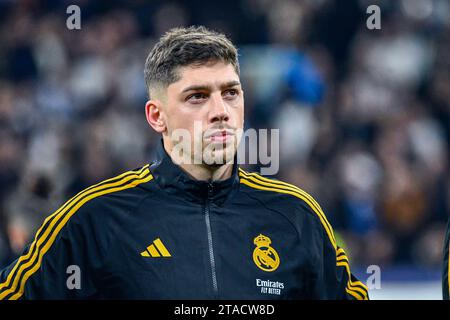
(155, 250)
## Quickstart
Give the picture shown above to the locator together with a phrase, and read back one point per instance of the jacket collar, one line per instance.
(173, 179)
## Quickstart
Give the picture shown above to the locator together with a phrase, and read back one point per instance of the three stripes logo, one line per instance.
(155, 250)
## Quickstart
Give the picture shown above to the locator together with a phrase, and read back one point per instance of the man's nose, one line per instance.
(219, 109)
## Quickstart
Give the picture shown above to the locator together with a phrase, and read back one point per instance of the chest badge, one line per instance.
(264, 256)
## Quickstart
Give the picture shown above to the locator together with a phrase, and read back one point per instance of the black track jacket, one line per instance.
(156, 233)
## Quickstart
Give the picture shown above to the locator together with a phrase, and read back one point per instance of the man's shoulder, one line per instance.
(286, 197)
(276, 190)
(110, 194)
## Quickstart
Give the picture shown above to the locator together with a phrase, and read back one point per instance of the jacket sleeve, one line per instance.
(334, 279)
(338, 280)
(446, 266)
(56, 265)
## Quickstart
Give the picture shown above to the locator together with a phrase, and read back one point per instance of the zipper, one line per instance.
(210, 242)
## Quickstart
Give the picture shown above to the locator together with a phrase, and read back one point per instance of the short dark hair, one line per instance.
(186, 46)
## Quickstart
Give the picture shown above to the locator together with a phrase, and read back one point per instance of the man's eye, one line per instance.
(196, 96)
(231, 93)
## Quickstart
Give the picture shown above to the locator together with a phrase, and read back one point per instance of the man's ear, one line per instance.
(154, 112)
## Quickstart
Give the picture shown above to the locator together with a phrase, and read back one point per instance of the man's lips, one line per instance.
(220, 136)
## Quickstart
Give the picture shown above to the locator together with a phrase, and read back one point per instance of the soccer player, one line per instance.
(446, 270)
(192, 224)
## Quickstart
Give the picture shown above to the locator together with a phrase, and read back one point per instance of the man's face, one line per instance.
(208, 103)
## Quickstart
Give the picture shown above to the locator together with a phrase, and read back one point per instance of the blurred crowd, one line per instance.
(364, 115)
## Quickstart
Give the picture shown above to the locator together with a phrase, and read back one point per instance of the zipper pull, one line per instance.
(210, 190)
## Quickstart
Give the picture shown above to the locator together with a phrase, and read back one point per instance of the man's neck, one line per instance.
(208, 173)
(203, 172)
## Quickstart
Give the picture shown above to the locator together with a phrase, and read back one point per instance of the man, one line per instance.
(191, 225)
(446, 269)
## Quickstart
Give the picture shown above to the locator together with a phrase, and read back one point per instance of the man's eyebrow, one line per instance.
(208, 87)
(229, 84)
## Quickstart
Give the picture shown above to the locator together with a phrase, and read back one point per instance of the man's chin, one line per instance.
(219, 158)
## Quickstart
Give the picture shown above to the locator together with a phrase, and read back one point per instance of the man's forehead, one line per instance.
(208, 75)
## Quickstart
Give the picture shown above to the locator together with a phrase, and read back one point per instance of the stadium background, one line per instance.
(364, 115)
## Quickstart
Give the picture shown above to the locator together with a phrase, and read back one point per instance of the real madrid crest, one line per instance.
(264, 256)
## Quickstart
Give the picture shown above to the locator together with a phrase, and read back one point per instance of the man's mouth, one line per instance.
(221, 136)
